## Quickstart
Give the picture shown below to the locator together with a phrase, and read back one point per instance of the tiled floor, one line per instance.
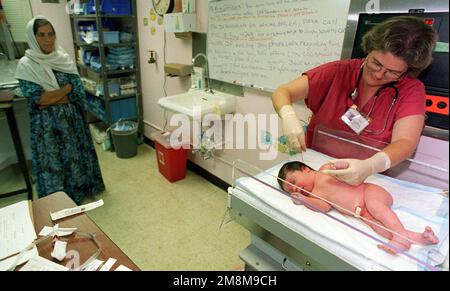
(160, 225)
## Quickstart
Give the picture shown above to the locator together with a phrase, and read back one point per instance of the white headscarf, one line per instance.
(37, 67)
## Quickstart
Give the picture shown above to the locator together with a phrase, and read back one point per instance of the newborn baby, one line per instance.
(366, 200)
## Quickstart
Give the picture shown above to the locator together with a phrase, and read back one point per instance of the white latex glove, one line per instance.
(358, 170)
(292, 129)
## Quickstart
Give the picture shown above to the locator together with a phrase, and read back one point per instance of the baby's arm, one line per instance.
(312, 203)
(334, 166)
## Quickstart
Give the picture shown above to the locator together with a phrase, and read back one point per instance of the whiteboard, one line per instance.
(265, 43)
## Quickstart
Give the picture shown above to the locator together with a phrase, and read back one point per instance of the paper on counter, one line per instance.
(38, 263)
(93, 266)
(108, 265)
(75, 210)
(56, 230)
(6, 264)
(16, 229)
(59, 250)
(122, 268)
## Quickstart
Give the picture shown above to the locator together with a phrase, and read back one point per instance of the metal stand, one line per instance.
(7, 107)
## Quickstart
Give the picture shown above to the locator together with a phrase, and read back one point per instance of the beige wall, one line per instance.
(152, 75)
(56, 13)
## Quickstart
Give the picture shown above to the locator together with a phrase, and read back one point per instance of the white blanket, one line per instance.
(417, 207)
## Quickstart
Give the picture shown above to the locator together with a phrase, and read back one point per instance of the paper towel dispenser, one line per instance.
(178, 69)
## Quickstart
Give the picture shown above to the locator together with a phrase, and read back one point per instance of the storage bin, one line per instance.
(113, 89)
(87, 25)
(111, 7)
(110, 37)
(123, 109)
(116, 7)
(171, 161)
(93, 75)
(98, 132)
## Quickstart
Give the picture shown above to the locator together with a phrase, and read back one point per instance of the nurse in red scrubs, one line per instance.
(378, 98)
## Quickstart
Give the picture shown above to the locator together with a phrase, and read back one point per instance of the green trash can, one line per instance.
(124, 136)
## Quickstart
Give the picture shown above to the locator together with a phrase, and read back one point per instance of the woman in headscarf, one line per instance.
(63, 154)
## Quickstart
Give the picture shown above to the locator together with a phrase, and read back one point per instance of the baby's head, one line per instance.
(296, 173)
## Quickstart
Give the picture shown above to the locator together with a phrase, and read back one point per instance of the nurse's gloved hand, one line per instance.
(292, 129)
(355, 172)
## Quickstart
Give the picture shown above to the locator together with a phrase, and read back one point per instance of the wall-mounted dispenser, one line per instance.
(180, 22)
(179, 70)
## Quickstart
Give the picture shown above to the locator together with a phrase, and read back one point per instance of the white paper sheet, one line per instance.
(122, 268)
(6, 264)
(38, 263)
(56, 230)
(93, 266)
(108, 265)
(16, 229)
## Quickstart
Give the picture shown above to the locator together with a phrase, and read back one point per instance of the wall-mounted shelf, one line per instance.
(94, 16)
(96, 44)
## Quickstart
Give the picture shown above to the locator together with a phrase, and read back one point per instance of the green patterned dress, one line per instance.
(63, 154)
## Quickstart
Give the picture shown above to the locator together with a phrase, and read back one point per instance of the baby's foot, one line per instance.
(428, 237)
(395, 246)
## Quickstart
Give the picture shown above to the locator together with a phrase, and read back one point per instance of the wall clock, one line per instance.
(163, 6)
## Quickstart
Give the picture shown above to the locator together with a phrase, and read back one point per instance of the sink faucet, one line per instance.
(208, 88)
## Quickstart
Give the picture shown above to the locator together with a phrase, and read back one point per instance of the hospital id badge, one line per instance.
(355, 119)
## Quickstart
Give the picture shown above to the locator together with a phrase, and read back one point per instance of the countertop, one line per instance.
(7, 80)
(7, 71)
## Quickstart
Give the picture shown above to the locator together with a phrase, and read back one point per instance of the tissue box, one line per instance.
(180, 22)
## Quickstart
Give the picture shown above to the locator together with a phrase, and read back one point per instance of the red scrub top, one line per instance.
(329, 88)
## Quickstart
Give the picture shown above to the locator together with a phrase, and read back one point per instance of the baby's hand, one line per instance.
(297, 198)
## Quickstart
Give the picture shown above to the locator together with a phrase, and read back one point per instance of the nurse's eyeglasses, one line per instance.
(375, 66)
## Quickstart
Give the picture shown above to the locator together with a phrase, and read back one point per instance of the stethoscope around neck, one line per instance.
(354, 94)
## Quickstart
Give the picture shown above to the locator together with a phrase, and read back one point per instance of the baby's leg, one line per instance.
(378, 203)
(374, 224)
